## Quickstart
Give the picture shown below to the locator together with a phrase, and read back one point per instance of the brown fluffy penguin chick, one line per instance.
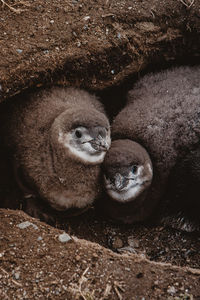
(162, 114)
(58, 139)
(127, 176)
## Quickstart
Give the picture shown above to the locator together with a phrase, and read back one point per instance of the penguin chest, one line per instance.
(64, 199)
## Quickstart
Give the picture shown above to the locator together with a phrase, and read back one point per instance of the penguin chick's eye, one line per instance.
(78, 133)
(134, 169)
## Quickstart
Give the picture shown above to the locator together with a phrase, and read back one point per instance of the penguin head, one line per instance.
(84, 134)
(127, 171)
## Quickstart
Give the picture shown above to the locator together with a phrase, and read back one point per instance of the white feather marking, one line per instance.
(88, 155)
(127, 195)
(95, 158)
(137, 184)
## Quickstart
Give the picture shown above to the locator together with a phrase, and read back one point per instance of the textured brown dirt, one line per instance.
(92, 44)
(34, 264)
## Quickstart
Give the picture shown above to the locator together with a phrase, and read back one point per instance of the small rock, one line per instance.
(78, 258)
(19, 51)
(112, 71)
(133, 242)
(95, 255)
(86, 18)
(176, 284)
(17, 275)
(26, 224)
(39, 238)
(64, 238)
(117, 243)
(51, 21)
(171, 290)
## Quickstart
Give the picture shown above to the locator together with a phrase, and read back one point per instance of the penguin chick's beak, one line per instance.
(99, 144)
(118, 182)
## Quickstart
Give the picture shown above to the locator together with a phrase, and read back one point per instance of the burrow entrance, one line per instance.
(152, 241)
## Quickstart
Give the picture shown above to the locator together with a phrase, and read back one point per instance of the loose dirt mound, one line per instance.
(36, 264)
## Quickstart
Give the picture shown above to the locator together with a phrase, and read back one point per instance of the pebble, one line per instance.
(64, 238)
(171, 290)
(133, 242)
(17, 275)
(86, 18)
(95, 255)
(117, 243)
(19, 51)
(78, 258)
(26, 224)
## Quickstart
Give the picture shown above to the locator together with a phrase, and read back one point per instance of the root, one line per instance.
(187, 3)
(15, 10)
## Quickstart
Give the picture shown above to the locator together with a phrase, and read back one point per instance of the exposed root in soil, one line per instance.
(187, 3)
(15, 10)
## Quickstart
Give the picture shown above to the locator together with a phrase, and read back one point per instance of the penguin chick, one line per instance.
(135, 170)
(162, 114)
(127, 176)
(58, 139)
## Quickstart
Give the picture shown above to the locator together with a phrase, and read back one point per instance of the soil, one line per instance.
(92, 44)
(39, 262)
(155, 242)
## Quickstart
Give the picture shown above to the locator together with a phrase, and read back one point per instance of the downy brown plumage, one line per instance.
(162, 114)
(58, 139)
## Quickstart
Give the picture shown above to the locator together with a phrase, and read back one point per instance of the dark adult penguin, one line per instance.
(159, 124)
(58, 139)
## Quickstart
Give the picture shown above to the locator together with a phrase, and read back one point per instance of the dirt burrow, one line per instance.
(40, 262)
